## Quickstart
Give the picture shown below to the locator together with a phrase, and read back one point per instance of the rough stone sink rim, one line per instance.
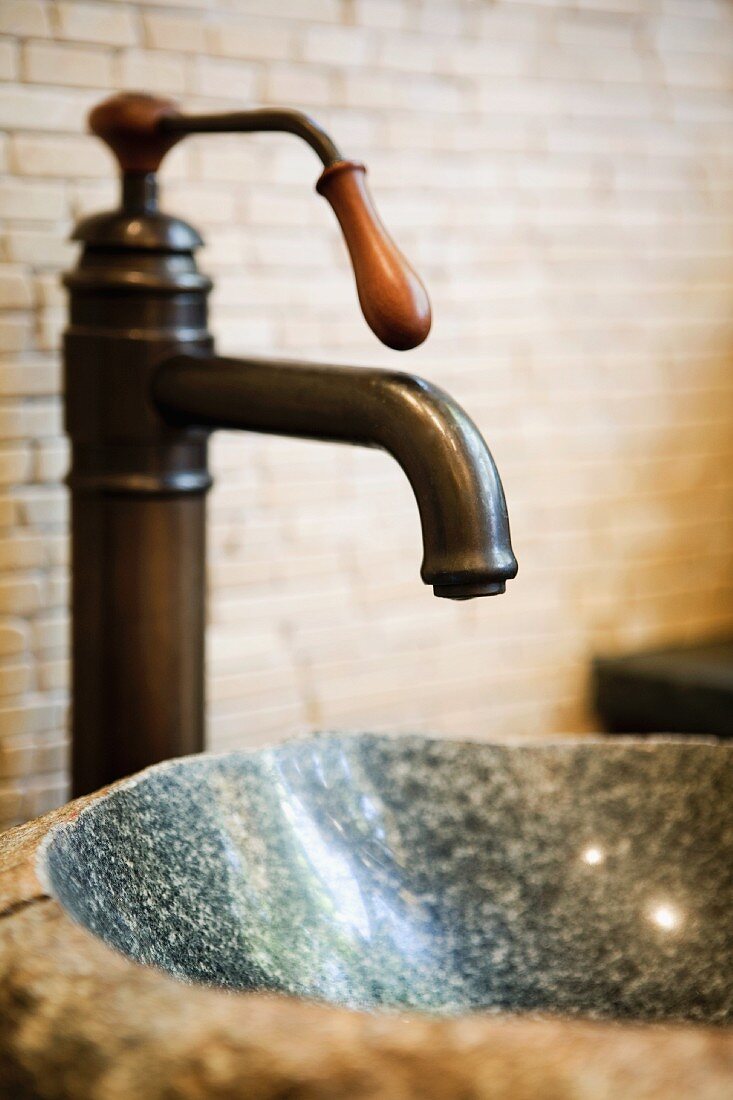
(149, 1036)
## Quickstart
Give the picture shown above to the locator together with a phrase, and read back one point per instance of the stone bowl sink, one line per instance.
(492, 913)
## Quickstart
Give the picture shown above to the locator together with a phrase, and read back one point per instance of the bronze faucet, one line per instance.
(144, 391)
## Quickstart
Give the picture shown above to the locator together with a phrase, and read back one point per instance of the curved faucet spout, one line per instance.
(465, 528)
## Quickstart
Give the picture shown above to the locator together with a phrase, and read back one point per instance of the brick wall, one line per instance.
(562, 174)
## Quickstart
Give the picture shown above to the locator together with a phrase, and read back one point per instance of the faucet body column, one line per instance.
(138, 490)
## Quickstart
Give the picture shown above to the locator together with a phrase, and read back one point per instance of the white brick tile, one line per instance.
(525, 23)
(17, 757)
(50, 632)
(717, 10)
(23, 552)
(253, 39)
(602, 65)
(92, 195)
(51, 460)
(14, 680)
(152, 70)
(49, 330)
(188, 199)
(41, 247)
(630, 7)
(595, 30)
(52, 756)
(53, 63)
(410, 54)
(14, 637)
(57, 590)
(51, 155)
(235, 160)
(442, 18)
(8, 60)
(110, 24)
(320, 11)
(8, 512)
(291, 84)
(30, 378)
(53, 676)
(491, 58)
(678, 33)
(388, 14)
(48, 293)
(414, 92)
(281, 208)
(23, 17)
(30, 108)
(16, 464)
(342, 46)
(41, 797)
(41, 506)
(15, 335)
(16, 291)
(19, 419)
(372, 90)
(173, 31)
(32, 201)
(235, 80)
(11, 804)
(20, 597)
(698, 70)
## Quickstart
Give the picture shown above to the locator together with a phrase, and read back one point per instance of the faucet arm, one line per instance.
(258, 119)
(467, 548)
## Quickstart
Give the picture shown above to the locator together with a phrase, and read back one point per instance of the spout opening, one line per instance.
(468, 591)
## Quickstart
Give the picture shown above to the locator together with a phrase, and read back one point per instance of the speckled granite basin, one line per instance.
(375, 872)
(575, 880)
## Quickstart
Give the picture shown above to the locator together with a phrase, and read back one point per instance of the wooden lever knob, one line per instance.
(129, 124)
(393, 300)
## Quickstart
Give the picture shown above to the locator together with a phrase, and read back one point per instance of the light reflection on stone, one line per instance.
(665, 916)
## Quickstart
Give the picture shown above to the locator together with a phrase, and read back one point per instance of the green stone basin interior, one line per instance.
(580, 878)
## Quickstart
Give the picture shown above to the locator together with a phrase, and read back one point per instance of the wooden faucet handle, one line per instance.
(140, 129)
(130, 124)
(393, 300)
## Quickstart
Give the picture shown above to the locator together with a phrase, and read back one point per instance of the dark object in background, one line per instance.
(682, 689)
